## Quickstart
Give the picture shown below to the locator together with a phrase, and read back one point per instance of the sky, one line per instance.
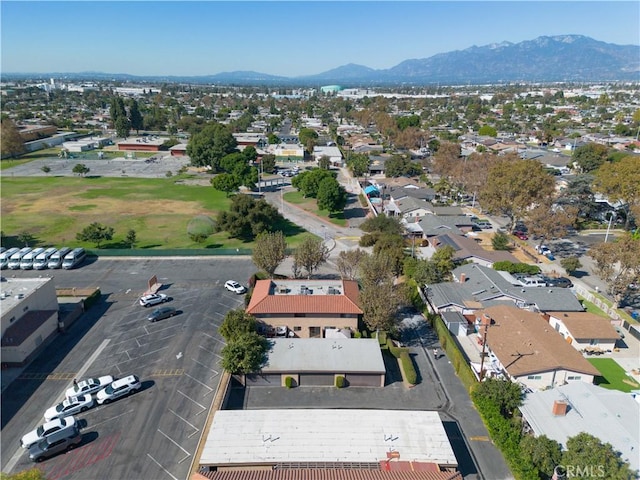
(291, 38)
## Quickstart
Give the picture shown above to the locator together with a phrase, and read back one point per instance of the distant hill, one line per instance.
(560, 58)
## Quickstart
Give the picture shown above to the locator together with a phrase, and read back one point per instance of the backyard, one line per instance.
(613, 375)
(53, 209)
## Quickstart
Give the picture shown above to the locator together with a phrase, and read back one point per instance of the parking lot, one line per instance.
(151, 434)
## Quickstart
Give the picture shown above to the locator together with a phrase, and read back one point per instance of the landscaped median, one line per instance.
(401, 354)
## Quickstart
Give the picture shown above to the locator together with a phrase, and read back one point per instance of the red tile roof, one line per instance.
(264, 301)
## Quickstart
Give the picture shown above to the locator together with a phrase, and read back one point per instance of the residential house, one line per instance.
(333, 153)
(306, 308)
(525, 348)
(429, 226)
(567, 410)
(467, 248)
(584, 330)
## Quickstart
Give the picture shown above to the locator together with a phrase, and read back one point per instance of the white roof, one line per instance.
(339, 355)
(304, 435)
(609, 415)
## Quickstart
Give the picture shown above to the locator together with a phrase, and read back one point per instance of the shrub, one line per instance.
(340, 381)
(363, 200)
(288, 382)
(91, 299)
(410, 374)
(395, 351)
(357, 334)
(200, 227)
(365, 334)
(511, 267)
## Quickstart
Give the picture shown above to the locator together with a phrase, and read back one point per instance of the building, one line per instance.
(179, 150)
(466, 248)
(524, 347)
(318, 361)
(244, 439)
(288, 152)
(142, 144)
(585, 331)
(333, 153)
(29, 317)
(306, 308)
(565, 411)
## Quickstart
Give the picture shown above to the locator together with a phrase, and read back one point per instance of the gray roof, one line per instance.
(420, 193)
(609, 415)
(321, 355)
(409, 204)
(433, 225)
(484, 287)
(446, 211)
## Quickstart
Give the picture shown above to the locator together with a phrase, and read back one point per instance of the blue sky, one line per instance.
(281, 38)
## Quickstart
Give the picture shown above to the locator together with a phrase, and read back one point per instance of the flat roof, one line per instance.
(245, 437)
(14, 290)
(339, 355)
(143, 141)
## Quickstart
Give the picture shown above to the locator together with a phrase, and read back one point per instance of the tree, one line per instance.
(81, 169)
(45, 169)
(398, 166)
(500, 241)
(237, 323)
(514, 185)
(488, 131)
(446, 159)
(579, 194)
(225, 182)
(348, 263)
(590, 157)
(382, 224)
(273, 139)
(268, 163)
(620, 181)
(308, 138)
(131, 238)
(210, 145)
(269, 251)
(541, 452)
(308, 182)
(505, 394)
(25, 238)
(331, 195)
(30, 474)
(95, 233)
(324, 163)
(379, 296)
(250, 153)
(570, 264)
(547, 220)
(310, 254)
(618, 263)
(247, 217)
(586, 450)
(358, 163)
(246, 354)
(12, 144)
(135, 117)
(123, 126)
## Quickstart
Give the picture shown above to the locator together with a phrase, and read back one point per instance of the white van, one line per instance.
(6, 255)
(27, 261)
(41, 261)
(74, 258)
(56, 259)
(16, 258)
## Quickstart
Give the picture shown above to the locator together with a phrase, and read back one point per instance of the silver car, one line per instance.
(58, 442)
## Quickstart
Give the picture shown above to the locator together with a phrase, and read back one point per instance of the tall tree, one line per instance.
(590, 157)
(309, 182)
(348, 263)
(358, 163)
(210, 145)
(505, 394)
(308, 138)
(514, 185)
(447, 159)
(225, 182)
(331, 195)
(269, 251)
(12, 144)
(248, 217)
(379, 296)
(586, 450)
(135, 117)
(547, 220)
(237, 323)
(618, 263)
(310, 254)
(542, 452)
(620, 181)
(246, 354)
(268, 163)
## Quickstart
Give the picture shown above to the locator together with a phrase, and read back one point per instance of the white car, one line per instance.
(119, 388)
(43, 431)
(69, 406)
(89, 386)
(153, 299)
(234, 286)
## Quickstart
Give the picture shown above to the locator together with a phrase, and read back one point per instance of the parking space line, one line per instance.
(198, 381)
(138, 342)
(176, 444)
(205, 366)
(184, 420)
(204, 409)
(111, 419)
(214, 338)
(206, 350)
(165, 470)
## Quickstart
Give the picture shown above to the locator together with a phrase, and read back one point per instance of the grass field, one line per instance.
(613, 375)
(54, 209)
(310, 205)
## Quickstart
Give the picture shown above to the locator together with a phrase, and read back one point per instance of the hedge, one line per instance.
(458, 360)
(410, 375)
(340, 381)
(288, 382)
(91, 299)
(395, 351)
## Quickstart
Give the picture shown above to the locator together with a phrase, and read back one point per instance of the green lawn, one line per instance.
(613, 375)
(54, 209)
(592, 308)
(310, 205)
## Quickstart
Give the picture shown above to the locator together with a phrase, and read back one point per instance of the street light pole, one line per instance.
(611, 215)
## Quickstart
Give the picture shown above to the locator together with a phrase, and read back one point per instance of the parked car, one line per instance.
(153, 299)
(521, 235)
(161, 313)
(484, 224)
(561, 282)
(532, 282)
(43, 431)
(119, 388)
(234, 287)
(543, 249)
(60, 441)
(89, 386)
(69, 406)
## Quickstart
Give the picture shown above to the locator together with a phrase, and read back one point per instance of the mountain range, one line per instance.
(561, 58)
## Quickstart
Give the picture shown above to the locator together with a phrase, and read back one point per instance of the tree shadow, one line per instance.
(10, 241)
(153, 245)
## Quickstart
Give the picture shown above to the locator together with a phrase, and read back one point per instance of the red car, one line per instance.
(521, 235)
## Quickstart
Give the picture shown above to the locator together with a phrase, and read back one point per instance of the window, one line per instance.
(534, 377)
(314, 332)
(574, 377)
(594, 341)
(299, 315)
(557, 327)
(297, 328)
